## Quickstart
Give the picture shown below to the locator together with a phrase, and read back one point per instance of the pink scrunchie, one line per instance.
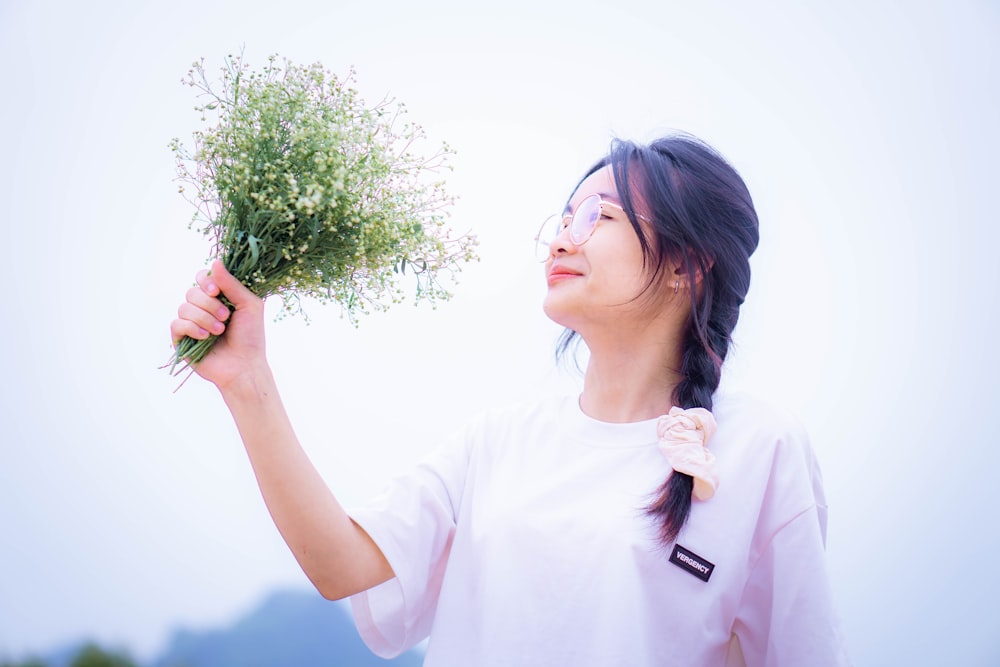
(683, 436)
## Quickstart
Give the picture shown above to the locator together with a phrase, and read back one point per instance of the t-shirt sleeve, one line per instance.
(786, 614)
(413, 523)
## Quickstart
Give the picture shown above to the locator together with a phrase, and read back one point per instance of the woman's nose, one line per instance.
(562, 242)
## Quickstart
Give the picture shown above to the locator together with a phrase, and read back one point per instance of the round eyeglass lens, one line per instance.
(546, 235)
(581, 226)
(585, 219)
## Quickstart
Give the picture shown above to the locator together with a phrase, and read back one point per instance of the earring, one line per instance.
(677, 286)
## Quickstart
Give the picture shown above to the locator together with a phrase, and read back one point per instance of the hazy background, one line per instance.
(867, 133)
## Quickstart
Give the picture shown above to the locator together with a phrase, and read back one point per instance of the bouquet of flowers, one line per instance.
(306, 191)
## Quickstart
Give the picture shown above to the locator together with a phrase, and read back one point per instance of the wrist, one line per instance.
(254, 383)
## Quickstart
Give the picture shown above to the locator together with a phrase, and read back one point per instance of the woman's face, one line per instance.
(602, 279)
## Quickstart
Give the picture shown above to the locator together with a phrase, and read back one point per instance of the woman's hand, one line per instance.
(240, 352)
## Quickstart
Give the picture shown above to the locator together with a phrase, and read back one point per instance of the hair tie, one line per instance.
(683, 436)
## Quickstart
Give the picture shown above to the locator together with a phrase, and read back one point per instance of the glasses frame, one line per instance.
(543, 249)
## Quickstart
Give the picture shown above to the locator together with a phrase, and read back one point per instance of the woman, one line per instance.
(592, 530)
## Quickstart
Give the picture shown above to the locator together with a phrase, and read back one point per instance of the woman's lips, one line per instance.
(560, 273)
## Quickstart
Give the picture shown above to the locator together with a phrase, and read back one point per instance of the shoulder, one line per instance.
(749, 425)
(755, 416)
(766, 445)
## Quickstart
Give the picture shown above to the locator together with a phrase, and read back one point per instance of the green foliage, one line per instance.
(92, 655)
(307, 192)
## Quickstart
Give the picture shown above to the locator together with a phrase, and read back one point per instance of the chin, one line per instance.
(558, 311)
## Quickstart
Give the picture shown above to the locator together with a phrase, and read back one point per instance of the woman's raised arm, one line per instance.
(339, 558)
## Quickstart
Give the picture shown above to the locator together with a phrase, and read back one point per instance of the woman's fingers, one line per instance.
(202, 313)
(196, 296)
(205, 311)
(208, 321)
(218, 281)
(206, 282)
(181, 327)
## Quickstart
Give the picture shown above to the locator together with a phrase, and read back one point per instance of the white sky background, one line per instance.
(867, 135)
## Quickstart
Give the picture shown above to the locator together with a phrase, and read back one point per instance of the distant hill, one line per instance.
(290, 629)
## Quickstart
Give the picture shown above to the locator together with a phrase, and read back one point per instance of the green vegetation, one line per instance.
(90, 655)
(306, 191)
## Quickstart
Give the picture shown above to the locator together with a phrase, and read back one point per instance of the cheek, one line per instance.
(624, 272)
(617, 287)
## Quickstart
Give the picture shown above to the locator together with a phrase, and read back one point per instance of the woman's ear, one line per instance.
(689, 273)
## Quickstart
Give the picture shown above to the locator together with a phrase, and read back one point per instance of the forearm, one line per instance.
(335, 553)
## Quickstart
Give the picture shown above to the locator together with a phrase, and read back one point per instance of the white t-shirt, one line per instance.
(524, 542)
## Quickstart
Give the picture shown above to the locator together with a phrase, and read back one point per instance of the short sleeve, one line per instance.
(786, 614)
(413, 523)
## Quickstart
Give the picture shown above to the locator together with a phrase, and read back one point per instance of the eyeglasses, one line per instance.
(581, 225)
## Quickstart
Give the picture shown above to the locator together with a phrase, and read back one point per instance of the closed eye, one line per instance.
(610, 211)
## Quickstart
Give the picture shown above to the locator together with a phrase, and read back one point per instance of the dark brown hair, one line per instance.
(700, 215)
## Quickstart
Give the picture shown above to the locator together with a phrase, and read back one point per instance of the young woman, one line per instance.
(647, 521)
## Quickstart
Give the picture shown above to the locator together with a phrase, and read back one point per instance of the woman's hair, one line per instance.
(701, 217)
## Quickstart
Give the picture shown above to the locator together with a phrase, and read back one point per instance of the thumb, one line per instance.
(237, 293)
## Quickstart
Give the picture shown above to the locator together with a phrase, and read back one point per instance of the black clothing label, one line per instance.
(691, 562)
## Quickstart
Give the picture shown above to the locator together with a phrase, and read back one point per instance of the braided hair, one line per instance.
(699, 216)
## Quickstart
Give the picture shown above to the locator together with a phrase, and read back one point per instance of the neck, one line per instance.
(630, 378)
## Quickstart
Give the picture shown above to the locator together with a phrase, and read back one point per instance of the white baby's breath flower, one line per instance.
(307, 192)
